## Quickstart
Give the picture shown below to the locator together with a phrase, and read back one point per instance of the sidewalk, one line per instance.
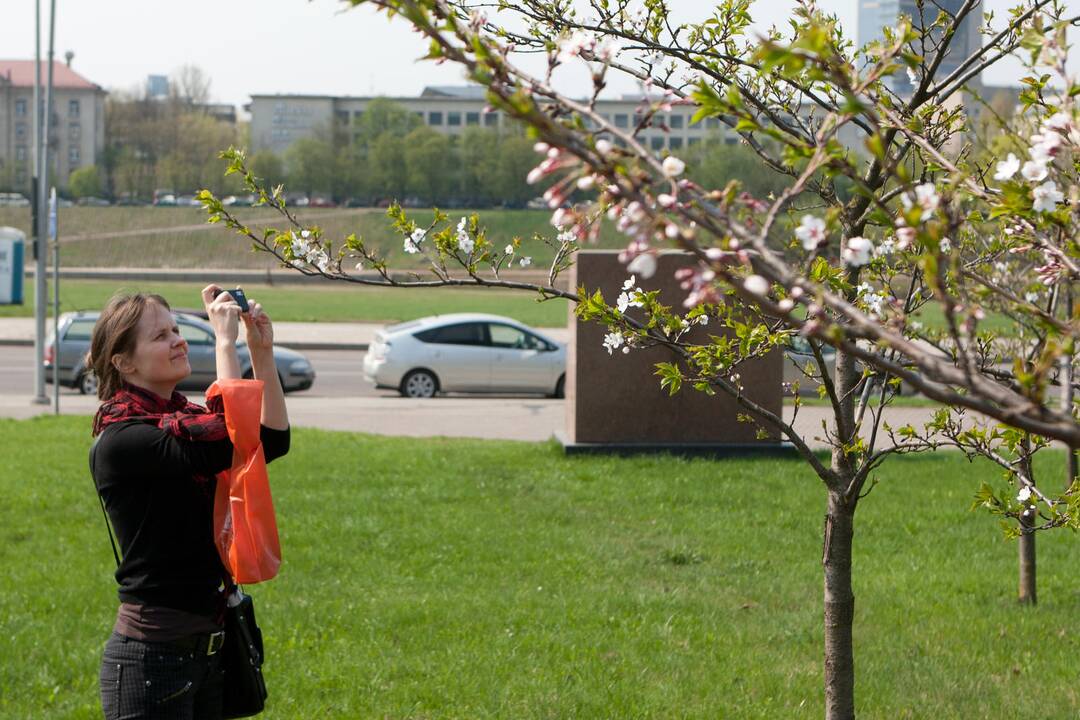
(527, 419)
(296, 335)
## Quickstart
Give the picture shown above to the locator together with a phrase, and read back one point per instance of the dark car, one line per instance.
(294, 369)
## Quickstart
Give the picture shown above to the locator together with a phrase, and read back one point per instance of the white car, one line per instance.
(465, 352)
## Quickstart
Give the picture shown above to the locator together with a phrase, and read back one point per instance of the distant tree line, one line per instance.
(385, 154)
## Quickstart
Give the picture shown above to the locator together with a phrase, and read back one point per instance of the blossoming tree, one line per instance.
(895, 243)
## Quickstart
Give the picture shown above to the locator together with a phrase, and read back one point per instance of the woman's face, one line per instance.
(160, 358)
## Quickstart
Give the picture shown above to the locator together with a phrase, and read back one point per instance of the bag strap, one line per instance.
(108, 525)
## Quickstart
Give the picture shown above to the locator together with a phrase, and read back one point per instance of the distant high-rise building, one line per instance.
(157, 86)
(876, 14)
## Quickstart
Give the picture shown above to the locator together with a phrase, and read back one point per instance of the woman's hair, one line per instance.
(114, 334)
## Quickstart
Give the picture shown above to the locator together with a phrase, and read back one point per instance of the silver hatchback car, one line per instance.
(465, 352)
(293, 368)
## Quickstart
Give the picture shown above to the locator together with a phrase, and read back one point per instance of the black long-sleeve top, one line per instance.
(163, 514)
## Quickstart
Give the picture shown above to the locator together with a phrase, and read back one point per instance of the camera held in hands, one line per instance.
(241, 299)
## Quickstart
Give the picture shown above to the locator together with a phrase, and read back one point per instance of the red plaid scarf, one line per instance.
(176, 416)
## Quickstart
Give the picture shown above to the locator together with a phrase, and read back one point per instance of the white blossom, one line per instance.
(359, 266)
(945, 245)
(571, 46)
(1007, 167)
(1031, 297)
(412, 243)
(629, 297)
(613, 341)
(912, 76)
(885, 247)
(1046, 196)
(873, 300)
(1058, 121)
(604, 146)
(811, 232)
(673, 166)
(644, 265)
(509, 250)
(464, 240)
(525, 261)
(858, 251)
(1034, 170)
(926, 197)
(1024, 495)
(756, 285)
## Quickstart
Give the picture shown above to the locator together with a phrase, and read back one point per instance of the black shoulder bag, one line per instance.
(242, 653)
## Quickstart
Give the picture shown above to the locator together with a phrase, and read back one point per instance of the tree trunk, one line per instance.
(836, 553)
(839, 611)
(1027, 595)
(1026, 546)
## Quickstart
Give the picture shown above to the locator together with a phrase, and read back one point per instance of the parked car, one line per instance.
(294, 369)
(465, 352)
(321, 202)
(90, 201)
(9, 199)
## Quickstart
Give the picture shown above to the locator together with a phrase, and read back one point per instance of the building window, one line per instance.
(453, 118)
(73, 155)
(342, 116)
(692, 141)
(491, 119)
(712, 123)
(20, 152)
(621, 120)
(20, 107)
(20, 176)
(74, 131)
(657, 142)
(434, 118)
(675, 143)
(731, 140)
(20, 131)
(73, 108)
(357, 114)
(472, 118)
(676, 121)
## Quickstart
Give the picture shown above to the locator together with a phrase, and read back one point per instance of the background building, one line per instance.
(77, 135)
(877, 14)
(277, 121)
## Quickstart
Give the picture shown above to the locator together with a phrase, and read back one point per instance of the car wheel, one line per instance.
(560, 388)
(88, 383)
(419, 384)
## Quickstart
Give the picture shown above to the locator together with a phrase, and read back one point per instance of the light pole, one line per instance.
(41, 299)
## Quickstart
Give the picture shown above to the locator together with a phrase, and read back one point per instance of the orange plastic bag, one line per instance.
(245, 529)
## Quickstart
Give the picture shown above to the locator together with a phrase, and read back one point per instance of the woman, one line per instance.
(154, 462)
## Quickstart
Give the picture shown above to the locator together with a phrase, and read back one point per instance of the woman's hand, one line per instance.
(260, 331)
(223, 313)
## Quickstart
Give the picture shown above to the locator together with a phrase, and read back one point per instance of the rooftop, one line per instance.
(20, 73)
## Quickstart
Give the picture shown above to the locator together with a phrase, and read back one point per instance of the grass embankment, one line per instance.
(470, 579)
(329, 302)
(140, 236)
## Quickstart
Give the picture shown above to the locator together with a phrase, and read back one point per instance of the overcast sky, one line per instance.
(291, 46)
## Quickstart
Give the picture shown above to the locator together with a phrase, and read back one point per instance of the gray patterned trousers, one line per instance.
(158, 681)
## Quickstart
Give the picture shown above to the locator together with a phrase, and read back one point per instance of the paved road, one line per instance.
(337, 373)
(341, 400)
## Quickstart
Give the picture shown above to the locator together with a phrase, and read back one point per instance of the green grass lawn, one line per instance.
(327, 302)
(469, 579)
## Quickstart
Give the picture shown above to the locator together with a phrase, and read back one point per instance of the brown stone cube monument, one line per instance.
(614, 403)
